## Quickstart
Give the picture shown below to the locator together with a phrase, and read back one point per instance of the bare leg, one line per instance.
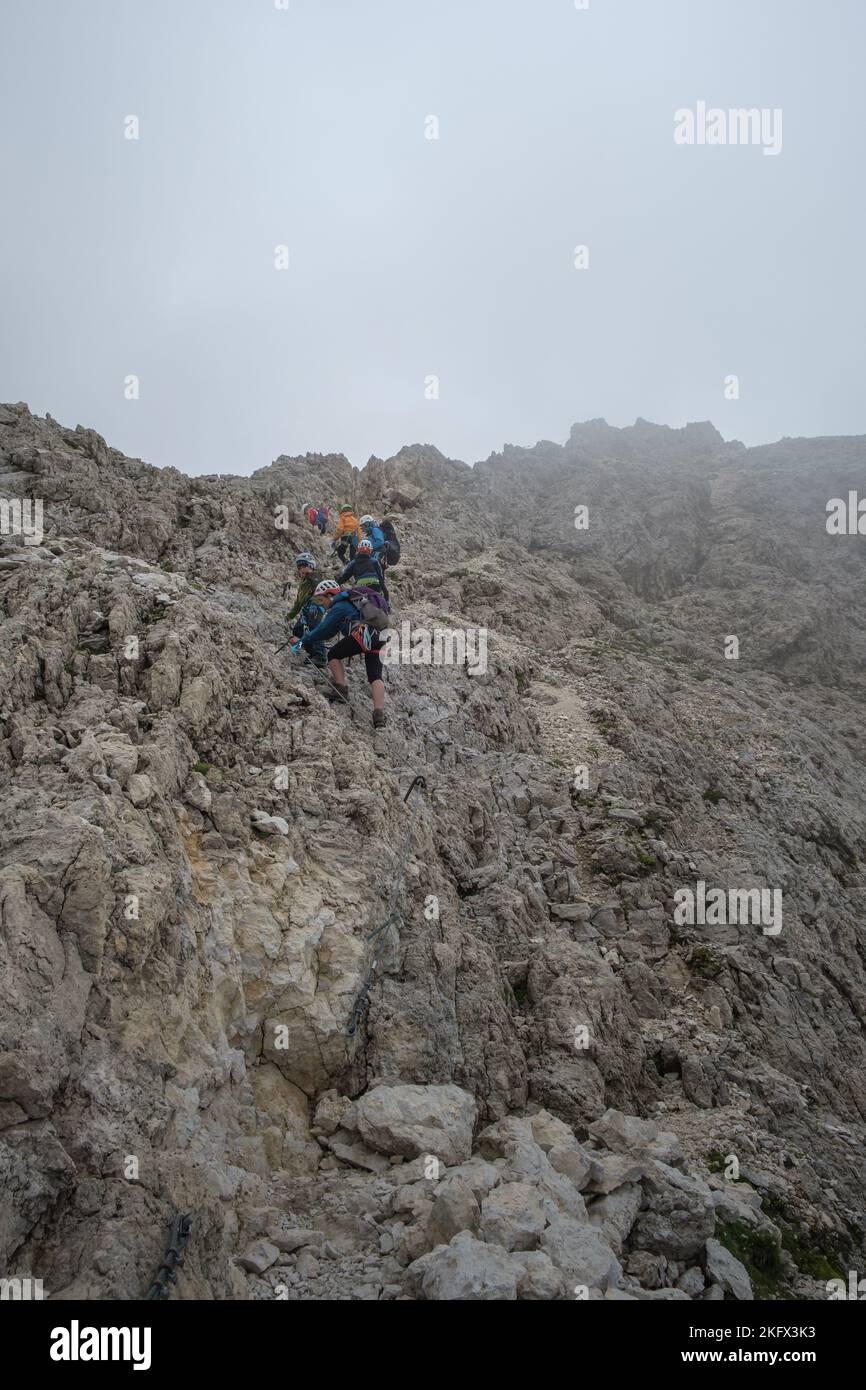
(336, 668)
(377, 690)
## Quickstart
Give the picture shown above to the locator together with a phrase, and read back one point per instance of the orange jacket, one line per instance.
(348, 522)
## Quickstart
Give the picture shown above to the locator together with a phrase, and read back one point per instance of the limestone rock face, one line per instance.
(459, 1046)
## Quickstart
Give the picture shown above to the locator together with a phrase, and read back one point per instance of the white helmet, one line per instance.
(368, 520)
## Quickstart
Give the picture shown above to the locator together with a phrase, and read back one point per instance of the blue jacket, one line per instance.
(376, 537)
(341, 617)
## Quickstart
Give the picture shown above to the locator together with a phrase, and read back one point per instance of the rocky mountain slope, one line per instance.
(557, 1089)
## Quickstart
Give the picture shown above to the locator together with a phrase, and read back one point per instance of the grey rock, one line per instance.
(465, 1269)
(414, 1120)
(512, 1216)
(725, 1269)
(259, 1256)
(616, 1213)
(581, 1254)
(288, 1240)
(540, 1281)
(455, 1208)
(692, 1281)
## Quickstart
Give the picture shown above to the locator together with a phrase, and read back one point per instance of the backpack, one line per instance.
(312, 614)
(374, 611)
(392, 545)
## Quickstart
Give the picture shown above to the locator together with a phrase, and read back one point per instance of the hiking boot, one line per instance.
(337, 694)
(379, 720)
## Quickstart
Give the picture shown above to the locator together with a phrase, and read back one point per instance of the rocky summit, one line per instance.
(580, 1015)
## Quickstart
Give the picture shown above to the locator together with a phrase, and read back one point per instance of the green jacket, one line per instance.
(305, 593)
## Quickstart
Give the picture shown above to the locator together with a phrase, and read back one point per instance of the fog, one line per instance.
(433, 290)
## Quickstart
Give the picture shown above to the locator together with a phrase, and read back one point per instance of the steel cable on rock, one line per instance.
(181, 1230)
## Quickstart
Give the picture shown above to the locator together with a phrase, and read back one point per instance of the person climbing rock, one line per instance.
(307, 567)
(391, 554)
(348, 533)
(322, 518)
(311, 615)
(364, 571)
(312, 513)
(374, 534)
(357, 637)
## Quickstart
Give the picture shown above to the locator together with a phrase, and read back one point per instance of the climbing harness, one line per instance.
(181, 1230)
(395, 915)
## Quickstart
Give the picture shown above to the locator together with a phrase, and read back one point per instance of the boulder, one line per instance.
(725, 1269)
(540, 1281)
(414, 1120)
(259, 1256)
(467, 1270)
(582, 1255)
(615, 1214)
(510, 1141)
(692, 1281)
(512, 1216)
(679, 1216)
(455, 1208)
(610, 1171)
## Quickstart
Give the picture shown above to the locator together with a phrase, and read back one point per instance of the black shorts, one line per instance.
(347, 647)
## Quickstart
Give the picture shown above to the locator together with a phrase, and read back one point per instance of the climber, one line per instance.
(307, 567)
(312, 513)
(311, 615)
(356, 636)
(322, 517)
(391, 554)
(348, 533)
(374, 532)
(363, 571)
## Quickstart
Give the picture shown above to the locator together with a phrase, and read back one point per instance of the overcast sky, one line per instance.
(411, 257)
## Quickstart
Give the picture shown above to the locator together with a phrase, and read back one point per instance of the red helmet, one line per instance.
(327, 586)
(364, 547)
